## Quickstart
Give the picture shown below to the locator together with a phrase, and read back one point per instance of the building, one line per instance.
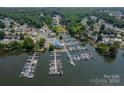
(56, 19)
(57, 44)
(52, 34)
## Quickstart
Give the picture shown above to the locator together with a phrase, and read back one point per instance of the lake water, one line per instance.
(99, 71)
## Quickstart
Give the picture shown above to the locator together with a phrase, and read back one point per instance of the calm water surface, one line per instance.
(89, 72)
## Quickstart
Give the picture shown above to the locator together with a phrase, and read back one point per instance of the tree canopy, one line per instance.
(2, 24)
(42, 42)
(28, 43)
(2, 34)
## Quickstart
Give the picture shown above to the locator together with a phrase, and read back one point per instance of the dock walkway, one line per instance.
(55, 65)
(29, 67)
(71, 61)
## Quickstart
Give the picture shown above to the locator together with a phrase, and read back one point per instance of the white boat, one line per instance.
(78, 58)
(30, 76)
(70, 49)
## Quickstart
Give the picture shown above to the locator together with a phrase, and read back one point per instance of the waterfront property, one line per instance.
(86, 42)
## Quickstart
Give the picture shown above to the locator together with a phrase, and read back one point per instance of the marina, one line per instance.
(71, 60)
(74, 46)
(55, 65)
(82, 72)
(80, 57)
(75, 51)
(30, 66)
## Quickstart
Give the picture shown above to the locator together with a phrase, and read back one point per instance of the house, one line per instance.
(52, 34)
(94, 18)
(56, 19)
(117, 39)
(42, 31)
(5, 41)
(105, 39)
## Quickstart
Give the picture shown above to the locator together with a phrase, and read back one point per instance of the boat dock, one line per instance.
(74, 50)
(30, 66)
(71, 60)
(55, 65)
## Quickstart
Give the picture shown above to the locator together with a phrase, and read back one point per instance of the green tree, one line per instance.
(2, 34)
(1, 46)
(116, 44)
(90, 22)
(2, 24)
(37, 46)
(42, 42)
(15, 45)
(106, 50)
(51, 47)
(28, 43)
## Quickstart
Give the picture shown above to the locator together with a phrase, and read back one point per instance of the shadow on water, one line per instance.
(44, 51)
(123, 54)
(15, 53)
(79, 75)
(108, 59)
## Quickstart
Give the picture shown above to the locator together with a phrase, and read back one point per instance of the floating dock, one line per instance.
(55, 65)
(72, 45)
(71, 60)
(29, 67)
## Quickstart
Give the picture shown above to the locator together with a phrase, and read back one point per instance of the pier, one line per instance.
(75, 51)
(29, 67)
(55, 65)
(71, 61)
